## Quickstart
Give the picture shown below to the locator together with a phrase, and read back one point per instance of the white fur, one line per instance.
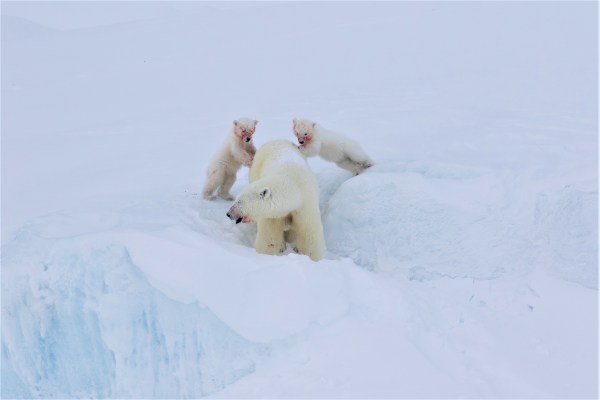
(331, 146)
(234, 153)
(283, 199)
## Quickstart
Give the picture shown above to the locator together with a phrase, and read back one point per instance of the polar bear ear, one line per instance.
(294, 121)
(235, 122)
(255, 122)
(265, 193)
(314, 123)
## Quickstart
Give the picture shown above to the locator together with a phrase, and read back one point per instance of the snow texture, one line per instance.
(464, 263)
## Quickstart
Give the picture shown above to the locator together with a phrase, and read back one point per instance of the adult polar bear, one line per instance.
(283, 199)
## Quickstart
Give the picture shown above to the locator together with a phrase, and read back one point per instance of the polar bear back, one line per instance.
(276, 156)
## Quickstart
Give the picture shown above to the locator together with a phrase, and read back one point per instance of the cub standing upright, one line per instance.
(237, 150)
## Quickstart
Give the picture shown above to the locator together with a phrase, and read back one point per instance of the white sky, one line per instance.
(85, 14)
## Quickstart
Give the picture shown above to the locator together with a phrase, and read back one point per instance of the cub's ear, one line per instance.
(235, 122)
(314, 123)
(294, 121)
(255, 122)
(265, 193)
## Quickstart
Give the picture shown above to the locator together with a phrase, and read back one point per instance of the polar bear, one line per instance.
(237, 150)
(283, 199)
(331, 146)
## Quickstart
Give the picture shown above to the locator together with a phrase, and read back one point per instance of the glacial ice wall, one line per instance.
(83, 321)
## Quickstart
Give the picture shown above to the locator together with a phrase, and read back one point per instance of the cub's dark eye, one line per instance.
(305, 133)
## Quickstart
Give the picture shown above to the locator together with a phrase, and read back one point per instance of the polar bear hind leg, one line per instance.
(214, 180)
(226, 186)
(357, 156)
(350, 165)
(308, 238)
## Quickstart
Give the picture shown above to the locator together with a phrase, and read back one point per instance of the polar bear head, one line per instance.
(271, 197)
(304, 129)
(244, 128)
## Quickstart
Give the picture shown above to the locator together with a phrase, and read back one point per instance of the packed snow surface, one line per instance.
(463, 264)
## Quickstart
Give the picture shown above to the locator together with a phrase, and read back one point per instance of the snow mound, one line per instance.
(415, 217)
(568, 221)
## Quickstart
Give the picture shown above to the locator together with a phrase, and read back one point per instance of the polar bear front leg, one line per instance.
(308, 237)
(289, 234)
(291, 237)
(269, 236)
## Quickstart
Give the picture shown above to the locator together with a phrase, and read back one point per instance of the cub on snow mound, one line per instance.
(314, 140)
(283, 199)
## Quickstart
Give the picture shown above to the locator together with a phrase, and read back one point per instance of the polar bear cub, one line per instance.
(237, 150)
(283, 199)
(331, 146)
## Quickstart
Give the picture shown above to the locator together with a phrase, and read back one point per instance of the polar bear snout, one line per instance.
(303, 138)
(236, 216)
(247, 139)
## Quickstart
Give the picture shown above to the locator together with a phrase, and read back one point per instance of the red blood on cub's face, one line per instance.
(245, 137)
(303, 139)
(244, 132)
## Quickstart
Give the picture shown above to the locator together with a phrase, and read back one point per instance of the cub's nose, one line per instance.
(301, 141)
(248, 139)
(228, 215)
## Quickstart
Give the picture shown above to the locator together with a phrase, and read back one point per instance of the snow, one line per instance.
(463, 264)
